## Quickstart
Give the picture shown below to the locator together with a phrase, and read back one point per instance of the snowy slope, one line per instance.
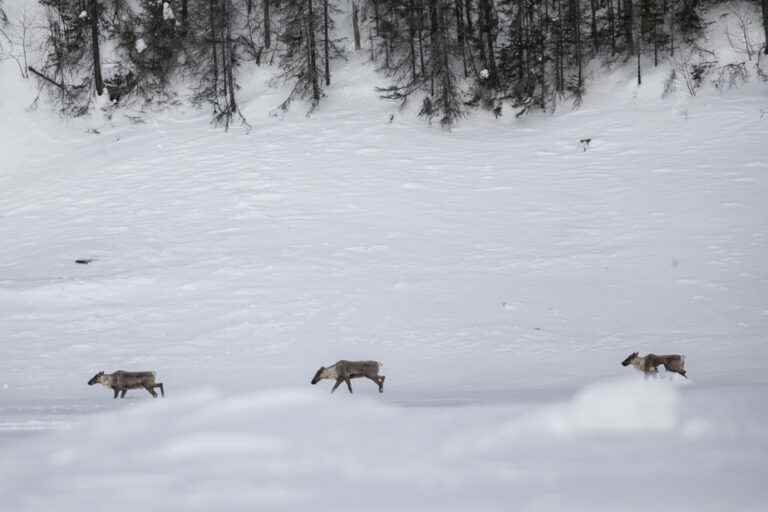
(499, 272)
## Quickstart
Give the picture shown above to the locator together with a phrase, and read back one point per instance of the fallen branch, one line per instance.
(49, 80)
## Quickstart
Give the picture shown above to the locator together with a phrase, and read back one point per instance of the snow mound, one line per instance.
(617, 407)
(628, 405)
(287, 449)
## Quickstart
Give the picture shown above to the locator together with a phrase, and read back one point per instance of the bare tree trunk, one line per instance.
(214, 54)
(98, 80)
(470, 27)
(765, 25)
(356, 24)
(373, 46)
(376, 17)
(229, 60)
(267, 25)
(312, 49)
(459, 8)
(420, 29)
(470, 30)
(184, 16)
(490, 39)
(655, 35)
(628, 25)
(387, 46)
(671, 32)
(612, 26)
(542, 60)
(560, 48)
(576, 15)
(412, 38)
(326, 22)
(433, 43)
(520, 47)
(594, 35)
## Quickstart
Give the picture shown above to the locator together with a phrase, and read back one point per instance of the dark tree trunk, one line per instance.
(459, 11)
(214, 54)
(356, 24)
(267, 25)
(376, 17)
(490, 40)
(655, 35)
(576, 15)
(765, 25)
(594, 33)
(387, 46)
(312, 52)
(433, 43)
(373, 46)
(560, 48)
(98, 80)
(412, 27)
(326, 22)
(612, 26)
(520, 46)
(229, 61)
(420, 29)
(629, 21)
(672, 31)
(470, 27)
(542, 59)
(184, 16)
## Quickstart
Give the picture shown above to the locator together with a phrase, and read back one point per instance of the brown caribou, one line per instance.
(649, 364)
(121, 381)
(344, 371)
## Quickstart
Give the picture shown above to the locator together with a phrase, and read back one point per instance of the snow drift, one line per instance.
(289, 449)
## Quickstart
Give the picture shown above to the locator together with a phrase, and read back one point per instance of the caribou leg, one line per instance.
(379, 381)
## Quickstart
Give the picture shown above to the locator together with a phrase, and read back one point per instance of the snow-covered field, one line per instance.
(501, 275)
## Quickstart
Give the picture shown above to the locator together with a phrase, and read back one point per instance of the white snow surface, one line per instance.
(167, 12)
(499, 272)
(141, 45)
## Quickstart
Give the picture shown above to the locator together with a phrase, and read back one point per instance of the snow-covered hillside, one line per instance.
(500, 272)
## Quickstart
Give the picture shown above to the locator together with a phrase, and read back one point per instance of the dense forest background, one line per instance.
(451, 56)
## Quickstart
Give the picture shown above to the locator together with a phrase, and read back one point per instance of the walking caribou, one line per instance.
(121, 381)
(345, 371)
(649, 363)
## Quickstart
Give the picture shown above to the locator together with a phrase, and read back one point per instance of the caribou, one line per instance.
(121, 381)
(649, 364)
(345, 371)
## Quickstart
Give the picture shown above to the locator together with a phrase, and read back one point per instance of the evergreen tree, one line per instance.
(215, 52)
(445, 101)
(454, 54)
(308, 48)
(73, 60)
(425, 56)
(153, 40)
